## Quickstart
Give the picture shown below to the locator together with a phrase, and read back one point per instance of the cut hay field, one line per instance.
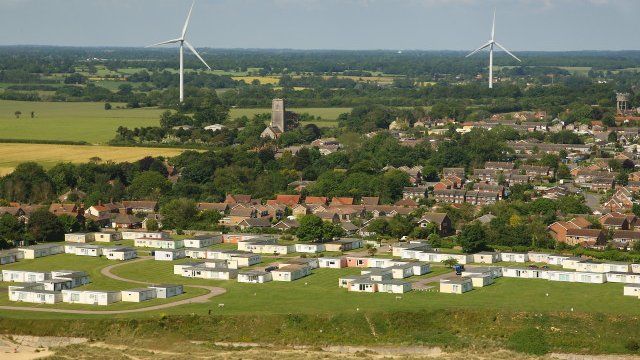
(70, 121)
(49, 155)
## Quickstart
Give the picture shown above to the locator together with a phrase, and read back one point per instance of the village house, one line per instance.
(440, 220)
(141, 206)
(625, 239)
(585, 237)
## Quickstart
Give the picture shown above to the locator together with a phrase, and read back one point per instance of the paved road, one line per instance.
(213, 291)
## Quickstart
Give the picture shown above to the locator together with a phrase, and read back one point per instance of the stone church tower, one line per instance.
(278, 115)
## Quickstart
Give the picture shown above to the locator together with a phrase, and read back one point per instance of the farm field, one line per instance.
(49, 155)
(319, 293)
(70, 121)
(327, 114)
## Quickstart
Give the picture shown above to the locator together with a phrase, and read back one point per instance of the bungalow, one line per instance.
(625, 239)
(290, 272)
(31, 295)
(126, 221)
(578, 277)
(120, 253)
(91, 297)
(159, 243)
(202, 241)
(486, 257)
(456, 285)
(309, 248)
(585, 237)
(41, 250)
(195, 253)
(514, 257)
(138, 295)
(631, 290)
(169, 254)
(79, 237)
(287, 224)
(83, 250)
(107, 236)
(24, 276)
(144, 207)
(254, 277)
(251, 223)
(343, 245)
(332, 263)
(167, 291)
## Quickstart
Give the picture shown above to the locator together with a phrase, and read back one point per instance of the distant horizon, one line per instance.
(422, 25)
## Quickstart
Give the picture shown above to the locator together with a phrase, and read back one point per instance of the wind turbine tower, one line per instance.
(490, 45)
(183, 42)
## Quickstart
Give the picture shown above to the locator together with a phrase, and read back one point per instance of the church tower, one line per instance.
(278, 114)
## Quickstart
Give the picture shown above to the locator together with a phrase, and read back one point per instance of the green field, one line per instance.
(69, 121)
(319, 293)
(328, 115)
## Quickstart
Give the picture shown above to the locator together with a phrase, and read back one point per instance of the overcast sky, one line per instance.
(555, 25)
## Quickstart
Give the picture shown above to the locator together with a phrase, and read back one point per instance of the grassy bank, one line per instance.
(450, 329)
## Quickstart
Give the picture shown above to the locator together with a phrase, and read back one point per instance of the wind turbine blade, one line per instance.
(165, 42)
(480, 48)
(186, 24)
(508, 52)
(493, 28)
(193, 50)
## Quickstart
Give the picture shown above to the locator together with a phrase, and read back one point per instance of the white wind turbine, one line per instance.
(490, 44)
(183, 42)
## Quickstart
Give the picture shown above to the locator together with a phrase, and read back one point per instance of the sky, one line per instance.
(522, 25)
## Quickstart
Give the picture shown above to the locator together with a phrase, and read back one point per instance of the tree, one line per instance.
(371, 250)
(44, 226)
(450, 263)
(11, 229)
(314, 229)
(17, 114)
(107, 106)
(70, 224)
(473, 238)
(149, 185)
(152, 225)
(179, 214)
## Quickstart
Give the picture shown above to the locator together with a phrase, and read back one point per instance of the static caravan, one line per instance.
(486, 257)
(91, 297)
(437, 257)
(169, 254)
(79, 237)
(202, 241)
(623, 277)
(107, 236)
(195, 253)
(590, 266)
(578, 277)
(401, 271)
(236, 238)
(290, 273)
(571, 263)
(244, 260)
(167, 291)
(133, 235)
(420, 268)
(41, 250)
(309, 248)
(343, 245)
(138, 295)
(377, 274)
(362, 284)
(524, 273)
(493, 271)
(379, 262)
(159, 243)
(635, 268)
(8, 257)
(209, 273)
(632, 290)
(332, 263)
(178, 268)
(481, 280)
(78, 278)
(255, 245)
(122, 254)
(394, 286)
(410, 253)
(514, 257)
(83, 250)
(616, 267)
(557, 259)
(313, 263)
(254, 277)
(538, 257)
(24, 276)
(34, 296)
(456, 285)
(57, 284)
(398, 248)
(357, 262)
(345, 281)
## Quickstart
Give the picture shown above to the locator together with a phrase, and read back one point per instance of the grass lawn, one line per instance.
(70, 121)
(49, 155)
